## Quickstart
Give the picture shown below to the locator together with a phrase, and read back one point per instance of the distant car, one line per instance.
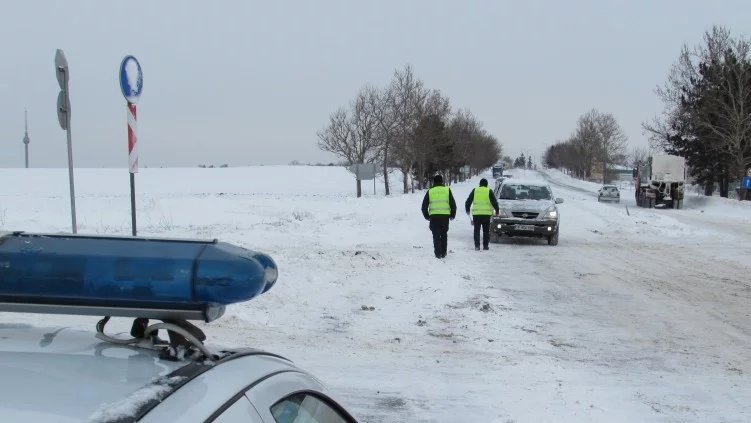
(609, 193)
(527, 209)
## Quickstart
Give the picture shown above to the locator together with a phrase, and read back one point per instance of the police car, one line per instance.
(59, 374)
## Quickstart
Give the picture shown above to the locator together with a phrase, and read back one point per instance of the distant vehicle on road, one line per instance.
(660, 182)
(497, 171)
(527, 209)
(609, 192)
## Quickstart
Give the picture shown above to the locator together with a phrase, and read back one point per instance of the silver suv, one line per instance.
(527, 209)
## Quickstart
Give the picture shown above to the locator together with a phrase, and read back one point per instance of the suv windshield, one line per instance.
(524, 192)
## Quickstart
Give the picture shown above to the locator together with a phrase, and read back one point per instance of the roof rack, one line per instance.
(167, 279)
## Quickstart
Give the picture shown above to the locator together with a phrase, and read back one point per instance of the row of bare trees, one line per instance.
(597, 143)
(409, 127)
(707, 110)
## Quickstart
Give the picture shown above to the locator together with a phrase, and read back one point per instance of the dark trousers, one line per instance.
(484, 223)
(439, 225)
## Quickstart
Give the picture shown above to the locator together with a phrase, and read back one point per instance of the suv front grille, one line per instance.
(525, 215)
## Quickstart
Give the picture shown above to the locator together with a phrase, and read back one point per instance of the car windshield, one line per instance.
(524, 192)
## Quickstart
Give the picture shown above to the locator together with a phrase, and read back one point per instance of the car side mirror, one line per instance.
(558, 200)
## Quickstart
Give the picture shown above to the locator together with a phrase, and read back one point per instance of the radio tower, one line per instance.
(26, 139)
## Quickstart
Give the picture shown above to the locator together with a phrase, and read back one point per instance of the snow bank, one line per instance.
(563, 178)
(718, 205)
(331, 181)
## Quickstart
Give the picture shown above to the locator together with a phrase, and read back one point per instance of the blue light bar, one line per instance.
(152, 278)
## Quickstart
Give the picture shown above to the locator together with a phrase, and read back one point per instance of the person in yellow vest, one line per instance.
(439, 208)
(484, 203)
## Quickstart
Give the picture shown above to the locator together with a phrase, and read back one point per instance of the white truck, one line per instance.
(660, 182)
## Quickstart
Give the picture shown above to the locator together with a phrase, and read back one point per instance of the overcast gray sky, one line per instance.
(249, 82)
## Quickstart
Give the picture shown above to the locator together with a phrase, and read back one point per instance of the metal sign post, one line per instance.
(131, 85)
(364, 172)
(63, 117)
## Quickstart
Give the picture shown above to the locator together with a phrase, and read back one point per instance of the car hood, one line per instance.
(536, 206)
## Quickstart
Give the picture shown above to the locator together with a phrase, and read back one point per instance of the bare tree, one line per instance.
(586, 143)
(612, 141)
(409, 93)
(599, 138)
(638, 156)
(365, 127)
(461, 130)
(409, 126)
(382, 103)
(337, 137)
(351, 134)
(436, 109)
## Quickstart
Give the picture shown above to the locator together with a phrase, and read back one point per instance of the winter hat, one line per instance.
(483, 182)
(438, 179)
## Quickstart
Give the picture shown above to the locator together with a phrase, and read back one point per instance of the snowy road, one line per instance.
(642, 317)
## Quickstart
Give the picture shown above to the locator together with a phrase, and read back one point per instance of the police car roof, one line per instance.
(58, 374)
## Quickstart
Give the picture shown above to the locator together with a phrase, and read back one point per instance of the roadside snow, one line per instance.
(641, 317)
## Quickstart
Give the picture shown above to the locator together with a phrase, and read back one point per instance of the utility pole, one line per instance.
(26, 139)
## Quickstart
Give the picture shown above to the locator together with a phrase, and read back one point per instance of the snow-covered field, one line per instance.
(640, 317)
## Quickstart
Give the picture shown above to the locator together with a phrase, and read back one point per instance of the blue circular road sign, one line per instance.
(131, 79)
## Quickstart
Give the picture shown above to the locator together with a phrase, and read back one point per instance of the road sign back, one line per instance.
(131, 79)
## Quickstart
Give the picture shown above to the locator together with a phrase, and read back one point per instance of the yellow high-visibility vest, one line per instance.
(481, 205)
(439, 201)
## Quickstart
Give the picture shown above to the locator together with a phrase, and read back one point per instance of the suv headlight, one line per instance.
(551, 213)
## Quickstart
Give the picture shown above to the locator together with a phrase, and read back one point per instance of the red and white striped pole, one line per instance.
(132, 160)
(132, 139)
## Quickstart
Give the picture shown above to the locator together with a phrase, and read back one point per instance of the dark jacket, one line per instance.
(426, 203)
(471, 197)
